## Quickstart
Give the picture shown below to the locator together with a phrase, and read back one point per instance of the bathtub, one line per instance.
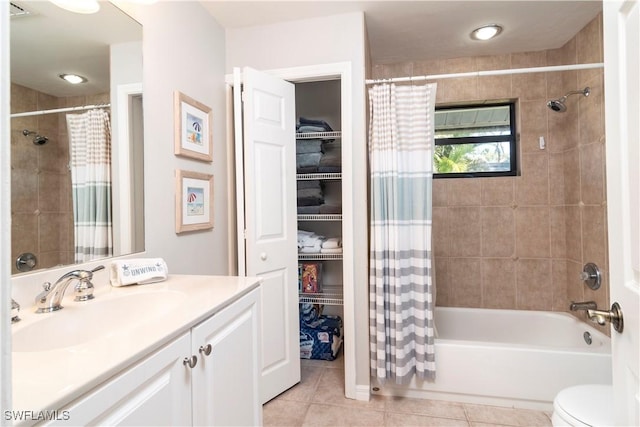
(510, 358)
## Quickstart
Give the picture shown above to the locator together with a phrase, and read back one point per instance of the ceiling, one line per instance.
(49, 41)
(401, 31)
(44, 44)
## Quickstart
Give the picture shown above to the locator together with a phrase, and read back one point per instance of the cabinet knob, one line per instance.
(263, 256)
(205, 349)
(190, 361)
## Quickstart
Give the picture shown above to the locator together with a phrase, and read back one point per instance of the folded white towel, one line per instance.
(138, 271)
(332, 243)
(309, 249)
(331, 250)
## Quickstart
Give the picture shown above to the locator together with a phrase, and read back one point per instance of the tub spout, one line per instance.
(584, 305)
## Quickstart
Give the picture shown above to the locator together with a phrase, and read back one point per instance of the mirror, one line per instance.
(106, 49)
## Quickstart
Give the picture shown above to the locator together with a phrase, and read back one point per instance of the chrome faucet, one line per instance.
(585, 305)
(15, 309)
(50, 299)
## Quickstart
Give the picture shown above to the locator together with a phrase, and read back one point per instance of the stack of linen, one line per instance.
(312, 243)
(308, 155)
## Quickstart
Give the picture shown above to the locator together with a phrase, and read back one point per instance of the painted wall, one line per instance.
(338, 38)
(183, 50)
(520, 242)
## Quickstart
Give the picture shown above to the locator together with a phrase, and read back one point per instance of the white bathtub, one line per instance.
(510, 358)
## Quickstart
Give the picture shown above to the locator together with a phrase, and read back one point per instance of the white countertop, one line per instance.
(49, 380)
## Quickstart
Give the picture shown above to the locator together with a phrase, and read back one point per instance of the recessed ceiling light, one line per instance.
(78, 6)
(74, 79)
(486, 32)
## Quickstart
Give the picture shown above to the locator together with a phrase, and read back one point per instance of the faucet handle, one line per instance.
(84, 288)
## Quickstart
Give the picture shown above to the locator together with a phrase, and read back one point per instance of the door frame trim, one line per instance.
(314, 73)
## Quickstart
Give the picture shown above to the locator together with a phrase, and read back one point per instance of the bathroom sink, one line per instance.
(81, 322)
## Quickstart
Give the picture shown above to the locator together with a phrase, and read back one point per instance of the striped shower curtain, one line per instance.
(401, 285)
(90, 152)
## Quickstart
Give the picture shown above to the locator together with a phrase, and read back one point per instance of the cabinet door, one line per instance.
(156, 391)
(270, 215)
(226, 381)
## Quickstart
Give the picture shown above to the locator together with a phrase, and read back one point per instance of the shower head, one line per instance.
(558, 105)
(37, 139)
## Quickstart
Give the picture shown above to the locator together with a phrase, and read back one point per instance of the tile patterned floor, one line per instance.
(319, 401)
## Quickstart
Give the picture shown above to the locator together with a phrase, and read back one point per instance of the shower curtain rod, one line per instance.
(61, 110)
(487, 73)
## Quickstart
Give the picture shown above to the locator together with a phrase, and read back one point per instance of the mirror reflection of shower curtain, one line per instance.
(90, 152)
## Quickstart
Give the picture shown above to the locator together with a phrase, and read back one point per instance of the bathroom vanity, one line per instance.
(180, 352)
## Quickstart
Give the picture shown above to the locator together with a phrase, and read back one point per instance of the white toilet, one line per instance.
(584, 405)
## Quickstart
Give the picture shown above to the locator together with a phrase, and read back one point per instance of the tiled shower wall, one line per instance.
(520, 242)
(41, 204)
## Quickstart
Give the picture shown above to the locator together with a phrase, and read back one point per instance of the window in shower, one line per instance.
(475, 141)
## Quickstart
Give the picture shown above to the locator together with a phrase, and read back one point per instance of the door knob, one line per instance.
(263, 256)
(614, 316)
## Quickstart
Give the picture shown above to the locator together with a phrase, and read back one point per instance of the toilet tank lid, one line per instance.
(591, 404)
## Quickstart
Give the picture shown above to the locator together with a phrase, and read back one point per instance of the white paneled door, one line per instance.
(270, 234)
(622, 94)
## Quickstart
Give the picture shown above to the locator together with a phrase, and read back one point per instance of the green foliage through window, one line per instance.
(475, 141)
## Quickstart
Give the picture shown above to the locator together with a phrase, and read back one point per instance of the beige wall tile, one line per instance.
(459, 65)
(24, 190)
(459, 89)
(558, 232)
(575, 286)
(23, 99)
(565, 55)
(27, 227)
(533, 125)
(439, 192)
(498, 191)
(494, 87)
(594, 235)
(574, 233)
(529, 59)
(464, 192)
(592, 171)
(466, 282)
(527, 87)
(559, 279)
(52, 230)
(591, 114)
(535, 284)
(532, 232)
(427, 67)
(572, 176)
(556, 179)
(498, 283)
(532, 187)
(443, 283)
(50, 198)
(493, 62)
(440, 229)
(498, 232)
(464, 231)
(563, 128)
(589, 42)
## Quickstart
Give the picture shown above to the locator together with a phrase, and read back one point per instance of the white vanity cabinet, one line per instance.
(222, 388)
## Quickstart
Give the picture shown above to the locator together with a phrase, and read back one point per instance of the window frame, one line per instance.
(512, 139)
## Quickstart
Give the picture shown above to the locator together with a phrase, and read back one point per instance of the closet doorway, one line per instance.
(340, 272)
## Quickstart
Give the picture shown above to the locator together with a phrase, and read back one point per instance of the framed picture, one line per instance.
(193, 128)
(194, 201)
